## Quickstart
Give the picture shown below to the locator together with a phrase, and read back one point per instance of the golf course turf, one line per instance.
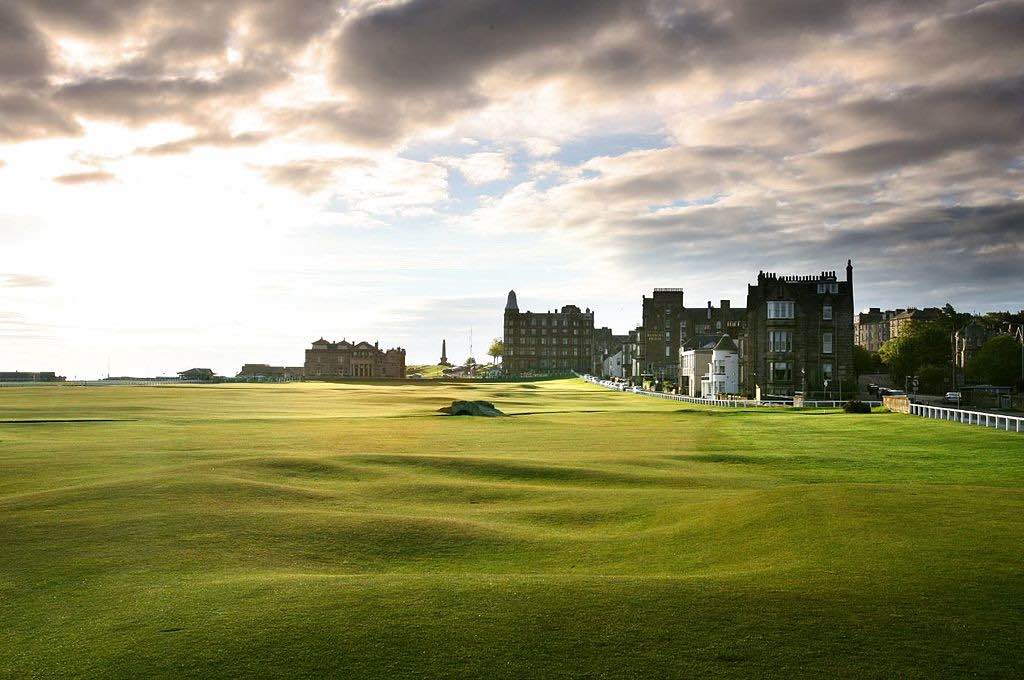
(349, 530)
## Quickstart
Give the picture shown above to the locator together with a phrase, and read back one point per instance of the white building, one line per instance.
(613, 366)
(693, 364)
(723, 371)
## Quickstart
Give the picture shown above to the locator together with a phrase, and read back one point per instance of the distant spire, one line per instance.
(512, 305)
(444, 354)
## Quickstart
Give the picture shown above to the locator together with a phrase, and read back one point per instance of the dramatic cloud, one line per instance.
(594, 147)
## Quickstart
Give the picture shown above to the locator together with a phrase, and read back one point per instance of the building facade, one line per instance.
(901, 322)
(668, 325)
(30, 376)
(693, 365)
(662, 316)
(799, 334)
(871, 329)
(612, 366)
(547, 343)
(327, 360)
(723, 371)
(267, 372)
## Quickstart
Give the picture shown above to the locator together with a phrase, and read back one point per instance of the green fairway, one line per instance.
(348, 530)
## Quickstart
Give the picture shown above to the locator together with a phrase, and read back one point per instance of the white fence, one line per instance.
(729, 403)
(996, 420)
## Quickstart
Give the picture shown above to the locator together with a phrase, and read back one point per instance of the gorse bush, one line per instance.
(856, 406)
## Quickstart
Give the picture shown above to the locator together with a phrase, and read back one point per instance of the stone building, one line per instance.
(30, 376)
(968, 341)
(799, 335)
(270, 373)
(334, 360)
(668, 325)
(871, 328)
(659, 344)
(547, 343)
(607, 344)
(197, 374)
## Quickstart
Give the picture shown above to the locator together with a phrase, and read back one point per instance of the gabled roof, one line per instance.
(726, 344)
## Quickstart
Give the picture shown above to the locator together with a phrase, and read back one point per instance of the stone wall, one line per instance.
(900, 404)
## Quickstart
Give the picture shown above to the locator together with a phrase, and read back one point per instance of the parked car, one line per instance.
(952, 398)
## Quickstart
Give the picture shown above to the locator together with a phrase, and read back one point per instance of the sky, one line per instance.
(188, 183)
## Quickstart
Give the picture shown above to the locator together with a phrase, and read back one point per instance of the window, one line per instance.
(826, 343)
(780, 371)
(666, 350)
(826, 312)
(833, 287)
(720, 367)
(822, 288)
(780, 309)
(826, 372)
(780, 341)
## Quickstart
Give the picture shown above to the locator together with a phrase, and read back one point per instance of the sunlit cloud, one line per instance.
(273, 170)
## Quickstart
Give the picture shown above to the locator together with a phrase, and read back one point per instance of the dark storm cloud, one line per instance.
(24, 52)
(138, 100)
(25, 116)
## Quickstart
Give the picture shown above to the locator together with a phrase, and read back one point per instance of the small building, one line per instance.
(30, 376)
(694, 358)
(723, 371)
(968, 341)
(202, 374)
(266, 372)
(613, 365)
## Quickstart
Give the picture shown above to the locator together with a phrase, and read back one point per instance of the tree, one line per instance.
(931, 379)
(496, 350)
(953, 320)
(922, 344)
(864, 361)
(470, 362)
(998, 361)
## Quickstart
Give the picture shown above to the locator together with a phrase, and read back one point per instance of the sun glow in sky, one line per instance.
(188, 183)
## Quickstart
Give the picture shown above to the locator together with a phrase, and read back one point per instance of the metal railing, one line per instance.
(728, 403)
(995, 420)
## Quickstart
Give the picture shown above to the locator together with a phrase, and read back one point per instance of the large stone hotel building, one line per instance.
(542, 343)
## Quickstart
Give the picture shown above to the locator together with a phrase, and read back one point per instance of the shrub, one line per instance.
(856, 406)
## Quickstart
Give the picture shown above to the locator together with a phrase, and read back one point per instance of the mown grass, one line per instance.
(347, 530)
